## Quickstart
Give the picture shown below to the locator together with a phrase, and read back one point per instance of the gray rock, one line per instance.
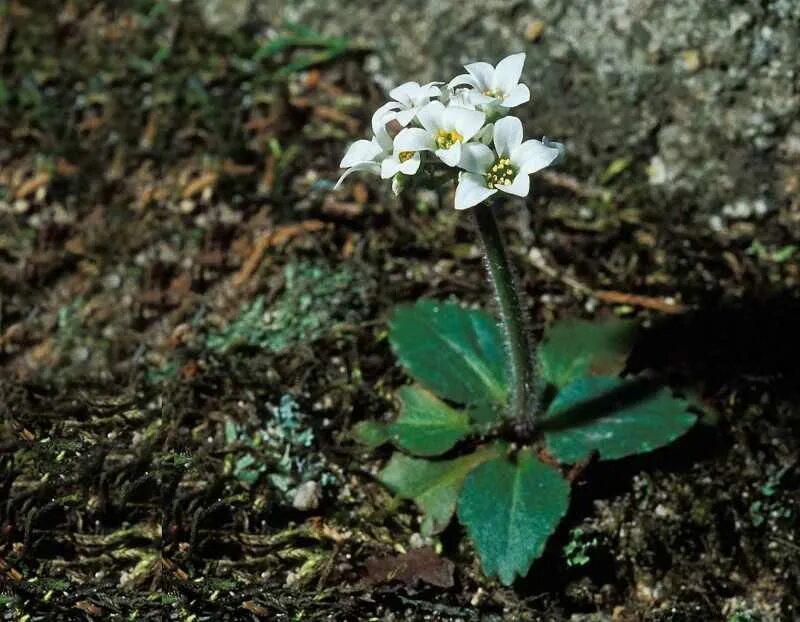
(703, 91)
(307, 496)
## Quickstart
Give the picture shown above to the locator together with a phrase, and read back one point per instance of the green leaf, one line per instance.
(455, 352)
(370, 433)
(574, 348)
(614, 417)
(485, 414)
(433, 485)
(426, 425)
(510, 510)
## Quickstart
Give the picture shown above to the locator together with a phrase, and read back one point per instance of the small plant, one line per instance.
(490, 429)
(577, 552)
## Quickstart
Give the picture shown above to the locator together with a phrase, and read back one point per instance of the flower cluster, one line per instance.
(437, 131)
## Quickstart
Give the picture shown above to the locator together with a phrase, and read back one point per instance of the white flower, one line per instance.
(410, 98)
(444, 131)
(402, 160)
(495, 84)
(368, 155)
(507, 170)
(460, 97)
(562, 150)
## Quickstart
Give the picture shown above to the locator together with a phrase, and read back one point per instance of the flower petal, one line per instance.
(389, 167)
(464, 98)
(450, 156)
(471, 190)
(383, 139)
(411, 166)
(507, 73)
(519, 187)
(479, 99)
(562, 150)
(430, 116)
(430, 90)
(404, 117)
(371, 167)
(405, 93)
(507, 135)
(413, 139)
(464, 78)
(360, 151)
(463, 120)
(482, 73)
(476, 158)
(383, 115)
(533, 155)
(518, 95)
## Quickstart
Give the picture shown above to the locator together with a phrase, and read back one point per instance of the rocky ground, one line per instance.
(191, 320)
(701, 98)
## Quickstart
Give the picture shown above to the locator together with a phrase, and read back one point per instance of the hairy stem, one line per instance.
(521, 364)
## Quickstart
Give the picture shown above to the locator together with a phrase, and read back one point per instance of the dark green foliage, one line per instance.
(574, 348)
(370, 433)
(434, 486)
(457, 353)
(510, 510)
(511, 504)
(426, 425)
(613, 417)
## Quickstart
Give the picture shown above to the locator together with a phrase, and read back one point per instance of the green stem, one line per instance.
(521, 363)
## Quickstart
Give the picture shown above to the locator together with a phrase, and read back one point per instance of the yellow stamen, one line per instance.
(404, 156)
(447, 138)
(501, 173)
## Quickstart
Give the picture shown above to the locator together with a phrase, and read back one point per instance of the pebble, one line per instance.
(307, 496)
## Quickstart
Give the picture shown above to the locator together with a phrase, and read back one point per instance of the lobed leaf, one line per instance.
(485, 414)
(433, 485)
(455, 352)
(371, 433)
(510, 510)
(574, 348)
(613, 416)
(426, 425)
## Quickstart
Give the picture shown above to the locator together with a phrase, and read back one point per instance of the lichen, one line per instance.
(283, 450)
(314, 300)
